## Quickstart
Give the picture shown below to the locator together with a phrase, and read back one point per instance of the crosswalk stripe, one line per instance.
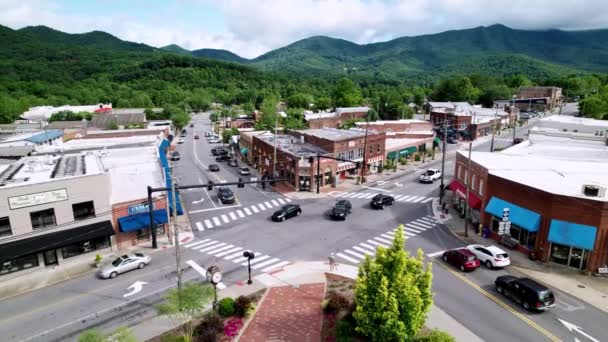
(411, 198)
(275, 203)
(256, 260)
(369, 195)
(378, 243)
(232, 250)
(363, 250)
(232, 256)
(281, 200)
(225, 218)
(196, 243)
(265, 263)
(255, 210)
(208, 224)
(242, 258)
(261, 206)
(247, 211)
(212, 247)
(367, 246)
(405, 198)
(383, 240)
(219, 249)
(241, 215)
(212, 242)
(417, 225)
(398, 197)
(275, 266)
(350, 194)
(354, 261)
(429, 220)
(217, 221)
(392, 234)
(423, 224)
(418, 199)
(267, 204)
(288, 200)
(342, 193)
(232, 215)
(386, 236)
(360, 256)
(427, 200)
(412, 230)
(199, 226)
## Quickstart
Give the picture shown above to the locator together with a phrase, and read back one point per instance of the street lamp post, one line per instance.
(493, 129)
(215, 277)
(514, 118)
(443, 153)
(249, 255)
(466, 200)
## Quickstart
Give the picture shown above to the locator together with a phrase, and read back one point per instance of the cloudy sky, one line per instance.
(252, 27)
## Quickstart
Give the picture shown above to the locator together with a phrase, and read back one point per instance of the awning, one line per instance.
(461, 191)
(522, 217)
(392, 155)
(244, 150)
(407, 151)
(572, 234)
(44, 242)
(142, 220)
(437, 140)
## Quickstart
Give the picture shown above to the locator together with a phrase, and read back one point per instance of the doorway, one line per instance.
(50, 257)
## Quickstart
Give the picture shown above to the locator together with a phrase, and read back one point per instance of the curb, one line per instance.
(246, 325)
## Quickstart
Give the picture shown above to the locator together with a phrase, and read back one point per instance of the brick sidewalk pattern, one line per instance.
(288, 314)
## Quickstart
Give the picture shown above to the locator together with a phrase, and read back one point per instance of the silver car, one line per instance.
(125, 263)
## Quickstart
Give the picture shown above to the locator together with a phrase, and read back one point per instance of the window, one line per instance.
(459, 172)
(18, 264)
(87, 246)
(341, 155)
(481, 187)
(43, 218)
(360, 153)
(473, 182)
(83, 210)
(466, 177)
(351, 155)
(5, 226)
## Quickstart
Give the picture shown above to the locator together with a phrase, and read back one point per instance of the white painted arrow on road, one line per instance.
(199, 201)
(381, 182)
(575, 328)
(398, 184)
(137, 286)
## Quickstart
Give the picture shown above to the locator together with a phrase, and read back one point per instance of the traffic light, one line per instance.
(240, 185)
(210, 186)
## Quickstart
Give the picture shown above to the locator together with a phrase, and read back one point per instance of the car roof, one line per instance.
(533, 284)
(495, 249)
(464, 251)
(342, 201)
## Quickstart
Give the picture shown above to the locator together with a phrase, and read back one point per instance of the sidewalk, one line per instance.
(590, 289)
(291, 308)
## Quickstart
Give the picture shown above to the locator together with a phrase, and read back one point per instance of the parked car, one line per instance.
(191, 125)
(180, 140)
(380, 201)
(233, 163)
(452, 140)
(225, 195)
(244, 171)
(491, 256)
(214, 141)
(214, 167)
(196, 137)
(527, 292)
(125, 263)
(287, 211)
(207, 134)
(341, 209)
(517, 141)
(174, 155)
(218, 151)
(461, 258)
(429, 176)
(222, 158)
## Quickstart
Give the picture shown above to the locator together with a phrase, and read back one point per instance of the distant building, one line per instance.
(334, 119)
(23, 144)
(403, 137)
(473, 122)
(553, 95)
(43, 113)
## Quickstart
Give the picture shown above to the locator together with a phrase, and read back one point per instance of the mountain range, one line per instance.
(495, 50)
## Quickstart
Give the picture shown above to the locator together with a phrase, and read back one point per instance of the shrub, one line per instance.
(226, 307)
(417, 157)
(336, 303)
(211, 325)
(232, 327)
(242, 305)
(324, 304)
(344, 331)
(434, 336)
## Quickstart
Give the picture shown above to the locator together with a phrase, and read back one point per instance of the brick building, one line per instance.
(553, 94)
(474, 122)
(554, 186)
(403, 137)
(334, 119)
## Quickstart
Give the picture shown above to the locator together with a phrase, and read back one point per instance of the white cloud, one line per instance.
(256, 26)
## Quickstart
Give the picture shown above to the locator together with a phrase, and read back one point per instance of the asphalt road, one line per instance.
(61, 311)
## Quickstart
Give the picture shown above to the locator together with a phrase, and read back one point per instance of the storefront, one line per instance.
(139, 223)
(524, 223)
(459, 200)
(571, 243)
(402, 153)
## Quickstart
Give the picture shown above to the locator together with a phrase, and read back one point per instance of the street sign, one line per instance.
(505, 214)
(508, 228)
(139, 208)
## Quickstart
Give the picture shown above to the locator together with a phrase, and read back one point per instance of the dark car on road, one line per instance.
(233, 163)
(222, 158)
(517, 141)
(174, 155)
(380, 201)
(341, 209)
(287, 211)
(214, 167)
(218, 151)
(527, 292)
(225, 195)
(196, 137)
(462, 258)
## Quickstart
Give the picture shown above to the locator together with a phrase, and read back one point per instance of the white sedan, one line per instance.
(125, 263)
(491, 256)
(430, 175)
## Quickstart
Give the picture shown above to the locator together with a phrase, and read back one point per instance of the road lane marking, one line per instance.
(267, 204)
(423, 223)
(256, 260)
(201, 270)
(275, 203)
(217, 221)
(216, 208)
(212, 242)
(417, 225)
(225, 218)
(231, 250)
(432, 255)
(416, 200)
(232, 256)
(372, 188)
(404, 199)
(281, 201)
(212, 247)
(288, 200)
(195, 243)
(350, 194)
(253, 207)
(363, 250)
(261, 206)
(242, 258)
(240, 213)
(247, 211)
(219, 249)
(378, 243)
(387, 236)
(367, 246)
(273, 267)
(398, 197)
(428, 200)
(360, 256)
(232, 215)
(265, 263)
(411, 230)
(347, 258)
(199, 226)
(208, 224)
(383, 240)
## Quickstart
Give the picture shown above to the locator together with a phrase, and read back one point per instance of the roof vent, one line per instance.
(592, 190)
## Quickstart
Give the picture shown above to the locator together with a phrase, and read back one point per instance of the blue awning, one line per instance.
(572, 234)
(142, 220)
(244, 150)
(164, 163)
(527, 219)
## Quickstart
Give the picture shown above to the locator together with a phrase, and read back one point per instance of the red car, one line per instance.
(462, 258)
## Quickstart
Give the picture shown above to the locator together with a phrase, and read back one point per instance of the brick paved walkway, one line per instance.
(288, 314)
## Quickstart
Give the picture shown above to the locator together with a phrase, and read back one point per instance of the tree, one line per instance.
(347, 93)
(494, 92)
(350, 123)
(92, 336)
(418, 96)
(177, 115)
(457, 88)
(593, 106)
(186, 304)
(299, 100)
(393, 293)
(269, 114)
(122, 334)
(517, 81)
(228, 133)
(323, 103)
(294, 120)
(372, 115)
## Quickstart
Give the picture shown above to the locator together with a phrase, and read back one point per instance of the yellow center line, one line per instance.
(501, 303)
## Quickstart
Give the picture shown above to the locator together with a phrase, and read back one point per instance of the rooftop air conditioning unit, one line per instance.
(593, 191)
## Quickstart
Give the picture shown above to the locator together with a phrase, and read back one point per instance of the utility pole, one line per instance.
(443, 153)
(514, 118)
(176, 233)
(318, 178)
(274, 158)
(364, 149)
(466, 200)
(493, 129)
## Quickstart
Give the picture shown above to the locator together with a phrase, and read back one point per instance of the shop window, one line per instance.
(5, 226)
(481, 187)
(83, 210)
(144, 234)
(360, 153)
(351, 155)
(18, 264)
(87, 246)
(378, 148)
(43, 218)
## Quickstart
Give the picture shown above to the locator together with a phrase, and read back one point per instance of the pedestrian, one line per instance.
(332, 262)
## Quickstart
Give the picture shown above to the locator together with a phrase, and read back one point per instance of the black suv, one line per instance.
(287, 211)
(527, 292)
(222, 158)
(225, 195)
(341, 209)
(380, 201)
(218, 151)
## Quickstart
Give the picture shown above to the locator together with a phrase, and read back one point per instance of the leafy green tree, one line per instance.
(594, 106)
(92, 336)
(323, 103)
(347, 93)
(299, 100)
(214, 117)
(269, 114)
(457, 88)
(418, 96)
(494, 92)
(294, 120)
(228, 133)
(350, 123)
(517, 81)
(186, 304)
(177, 115)
(393, 293)
(372, 115)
